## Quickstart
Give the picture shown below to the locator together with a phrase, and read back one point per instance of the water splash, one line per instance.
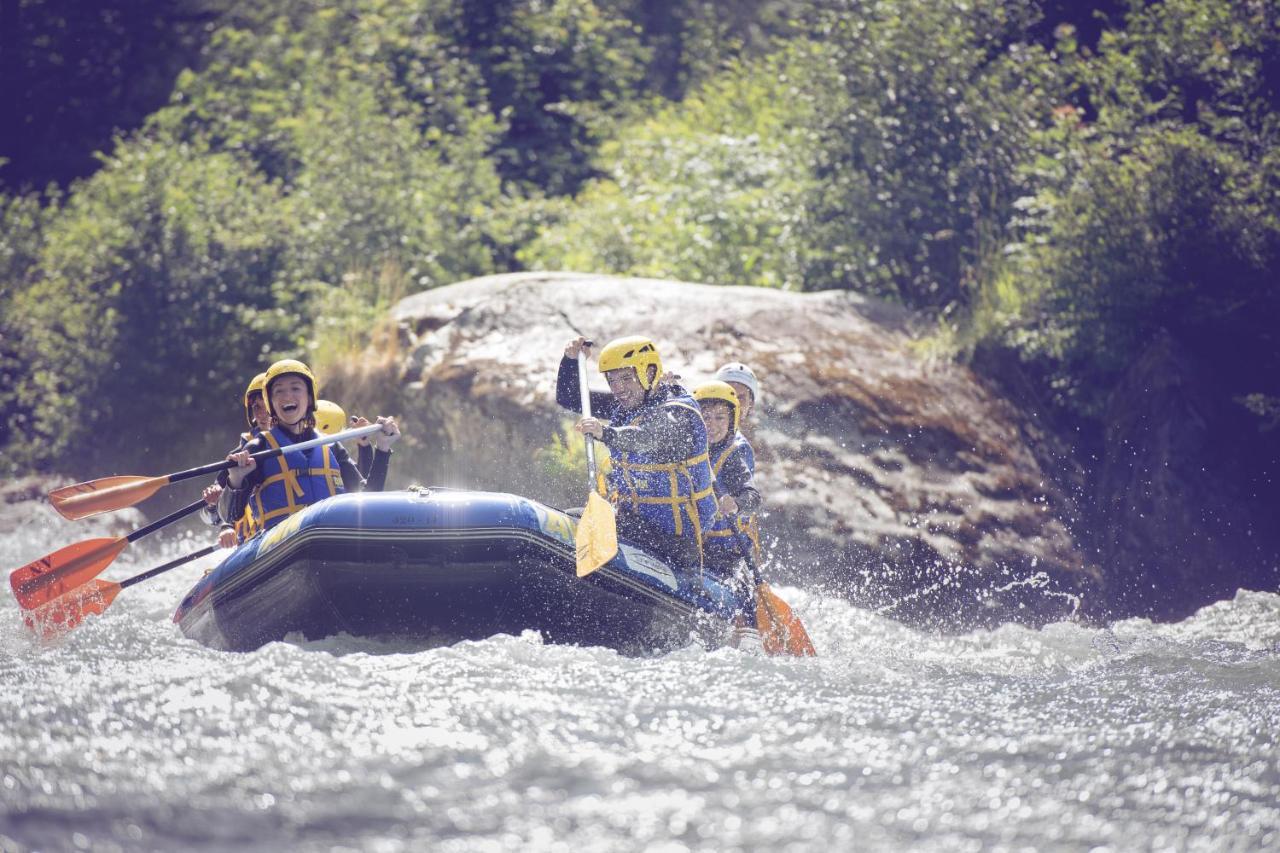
(127, 736)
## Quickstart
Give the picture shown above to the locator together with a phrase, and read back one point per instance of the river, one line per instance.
(127, 736)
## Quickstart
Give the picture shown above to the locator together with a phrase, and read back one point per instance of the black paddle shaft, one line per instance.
(172, 564)
(164, 522)
(224, 465)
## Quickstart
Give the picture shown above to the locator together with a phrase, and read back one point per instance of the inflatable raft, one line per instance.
(443, 565)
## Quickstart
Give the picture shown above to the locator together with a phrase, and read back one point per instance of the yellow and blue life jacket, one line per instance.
(293, 481)
(677, 498)
(730, 539)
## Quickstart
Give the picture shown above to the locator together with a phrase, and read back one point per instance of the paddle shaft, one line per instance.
(227, 464)
(172, 564)
(586, 413)
(164, 522)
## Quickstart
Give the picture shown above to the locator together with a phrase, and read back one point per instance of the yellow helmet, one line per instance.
(723, 392)
(258, 385)
(636, 351)
(288, 366)
(330, 419)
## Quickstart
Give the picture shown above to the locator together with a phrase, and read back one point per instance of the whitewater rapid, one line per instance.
(127, 736)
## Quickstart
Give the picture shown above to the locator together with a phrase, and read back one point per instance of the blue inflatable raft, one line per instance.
(442, 565)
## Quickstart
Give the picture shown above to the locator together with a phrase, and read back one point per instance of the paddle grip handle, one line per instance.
(172, 564)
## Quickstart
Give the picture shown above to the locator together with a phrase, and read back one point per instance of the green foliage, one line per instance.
(881, 157)
(315, 154)
(154, 295)
(353, 318)
(931, 108)
(322, 160)
(75, 73)
(23, 220)
(564, 460)
(556, 73)
(1164, 213)
(366, 127)
(707, 190)
(690, 41)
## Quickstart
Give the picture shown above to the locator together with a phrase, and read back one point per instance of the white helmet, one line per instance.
(736, 371)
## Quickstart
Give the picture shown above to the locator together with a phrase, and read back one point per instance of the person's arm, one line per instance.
(364, 458)
(569, 394)
(234, 499)
(668, 432)
(231, 502)
(212, 493)
(735, 479)
(377, 481)
(352, 481)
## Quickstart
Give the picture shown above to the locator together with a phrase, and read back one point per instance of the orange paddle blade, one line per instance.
(781, 631)
(45, 579)
(597, 535)
(64, 613)
(103, 495)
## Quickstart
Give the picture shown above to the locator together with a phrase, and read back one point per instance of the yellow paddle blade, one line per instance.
(781, 631)
(597, 536)
(106, 494)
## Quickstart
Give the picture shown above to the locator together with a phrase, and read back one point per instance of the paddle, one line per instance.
(67, 568)
(111, 493)
(68, 610)
(597, 534)
(781, 631)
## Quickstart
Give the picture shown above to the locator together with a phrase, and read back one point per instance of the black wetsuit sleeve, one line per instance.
(364, 459)
(736, 479)
(352, 481)
(233, 500)
(666, 432)
(377, 480)
(569, 393)
(211, 515)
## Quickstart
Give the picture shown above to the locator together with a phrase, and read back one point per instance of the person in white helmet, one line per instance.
(743, 381)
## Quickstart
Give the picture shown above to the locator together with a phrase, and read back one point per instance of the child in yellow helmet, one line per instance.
(732, 458)
(258, 417)
(731, 540)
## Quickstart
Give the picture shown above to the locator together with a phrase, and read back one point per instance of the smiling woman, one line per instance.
(295, 479)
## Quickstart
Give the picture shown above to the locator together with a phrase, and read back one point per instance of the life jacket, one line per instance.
(730, 539)
(293, 480)
(677, 498)
(246, 526)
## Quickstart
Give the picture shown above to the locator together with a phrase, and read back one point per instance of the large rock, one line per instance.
(906, 484)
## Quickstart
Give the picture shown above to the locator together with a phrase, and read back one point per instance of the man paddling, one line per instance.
(660, 479)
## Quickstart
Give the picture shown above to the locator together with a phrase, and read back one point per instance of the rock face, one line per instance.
(906, 485)
(1185, 506)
